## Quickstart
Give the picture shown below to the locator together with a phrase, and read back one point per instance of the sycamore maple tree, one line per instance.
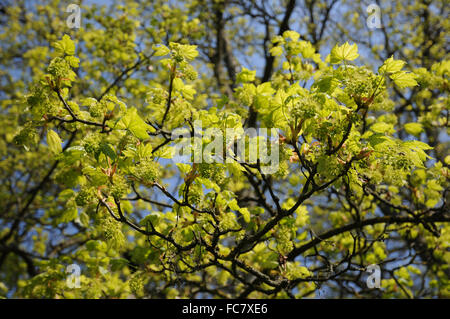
(88, 175)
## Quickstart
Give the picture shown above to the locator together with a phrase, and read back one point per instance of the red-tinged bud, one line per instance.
(365, 152)
(294, 158)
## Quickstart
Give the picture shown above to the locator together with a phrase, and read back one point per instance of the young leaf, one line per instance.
(276, 51)
(245, 214)
(106, 149)
(161, 50)
(391, 66)
(245, 75)
(293, 35)
(403, 79)
(165, 152)
(382, 127)
(54, 142)
(65, 46)
(189, 52)
(134, 123)
(344, 52)
(414, 129)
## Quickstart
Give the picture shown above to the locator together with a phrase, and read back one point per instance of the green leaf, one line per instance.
(184, 168)
(245, 214)
(417, 145)
(234, 205)
(382, 127)
(265, 89)
(245, 75)
(66, 194)
(293, 35)
(134, 123)
(165, 152)
(65, 46)
(209, 184)
(187, 90)
(144, 150)
(73, 154)
(447, 160)
(73, 61)
(161, 50)
(118, 263)
(93, 245)
(189, 52)
(391, 65)
(404, 79)
(276, 51)
(84, 219)
(414, 128)
(54, 142)
(244, 211)
(151, 218)
(127, 206)
(106, 149)
(434, 185)
(344, 52)
(326, 84)
(68, 214)
(378, 138)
